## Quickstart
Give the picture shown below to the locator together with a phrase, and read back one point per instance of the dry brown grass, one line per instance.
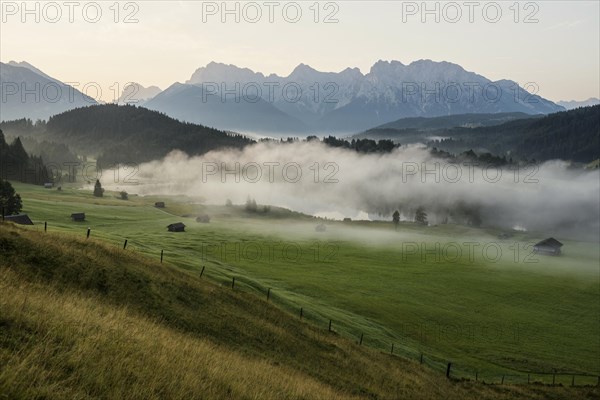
(73, 346)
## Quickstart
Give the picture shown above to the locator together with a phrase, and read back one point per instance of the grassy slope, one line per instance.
(81, 319)
(498, 318)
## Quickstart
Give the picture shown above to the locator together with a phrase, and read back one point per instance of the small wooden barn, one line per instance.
(21, 219)
(159, 204)
(78, 217)
(176, 227)
(548, 246)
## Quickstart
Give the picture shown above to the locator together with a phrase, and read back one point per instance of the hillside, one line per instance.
(332, 276)
(569, 135)
(572, 135)
(451, 121)
(130, 134)
(81, 319)
(420, 129)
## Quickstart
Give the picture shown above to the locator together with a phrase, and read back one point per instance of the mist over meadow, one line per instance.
(552, 198)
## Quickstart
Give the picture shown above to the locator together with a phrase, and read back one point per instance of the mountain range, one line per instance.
(569, 105)
(349, 101)
(307, 101)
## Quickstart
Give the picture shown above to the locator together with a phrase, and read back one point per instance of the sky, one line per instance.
(554, 44)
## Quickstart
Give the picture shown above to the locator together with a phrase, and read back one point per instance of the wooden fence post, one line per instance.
(233, 282)
(125, 244)
(502, 383)
(448, 370)
(476, 376)
(46, 226)
(268, 293)
(161, 256)
(301, 312)
(421, 360)
(202, 272)
(361, 339)
(528, 378)
(88, 233)
(392, 352)
(329, 325)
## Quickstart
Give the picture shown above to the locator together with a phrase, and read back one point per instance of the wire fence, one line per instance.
(452, 370)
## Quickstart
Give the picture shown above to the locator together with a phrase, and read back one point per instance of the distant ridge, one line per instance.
(27, 92)
(569, 105)
(230, 97)
(452, 121)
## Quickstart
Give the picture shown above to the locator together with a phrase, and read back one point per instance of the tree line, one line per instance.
(358, 145)
(17, 165)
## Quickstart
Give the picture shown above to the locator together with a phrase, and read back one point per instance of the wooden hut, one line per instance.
(21, 219)
(548, 246)
(78, 217)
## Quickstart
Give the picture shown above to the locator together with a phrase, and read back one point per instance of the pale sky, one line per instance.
(558, 48)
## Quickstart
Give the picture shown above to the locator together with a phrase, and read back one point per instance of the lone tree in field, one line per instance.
(396, 219)
(124, 195)
(421, 216)
(10, 202)
(98, 191)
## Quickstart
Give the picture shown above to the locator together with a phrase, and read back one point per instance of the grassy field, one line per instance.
(80, 320)
(498, 314)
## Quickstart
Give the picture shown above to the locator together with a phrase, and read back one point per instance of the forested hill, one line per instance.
(451, 121)
(130, 134)
(569, 135)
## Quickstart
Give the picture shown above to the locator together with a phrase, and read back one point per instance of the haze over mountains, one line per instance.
(348, 101)
(136, 94)
(569, 105)
(307, 101)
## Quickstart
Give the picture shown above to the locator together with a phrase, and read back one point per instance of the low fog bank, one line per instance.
(319, 180)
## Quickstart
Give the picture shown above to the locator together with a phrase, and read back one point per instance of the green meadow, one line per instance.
(451, 293)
